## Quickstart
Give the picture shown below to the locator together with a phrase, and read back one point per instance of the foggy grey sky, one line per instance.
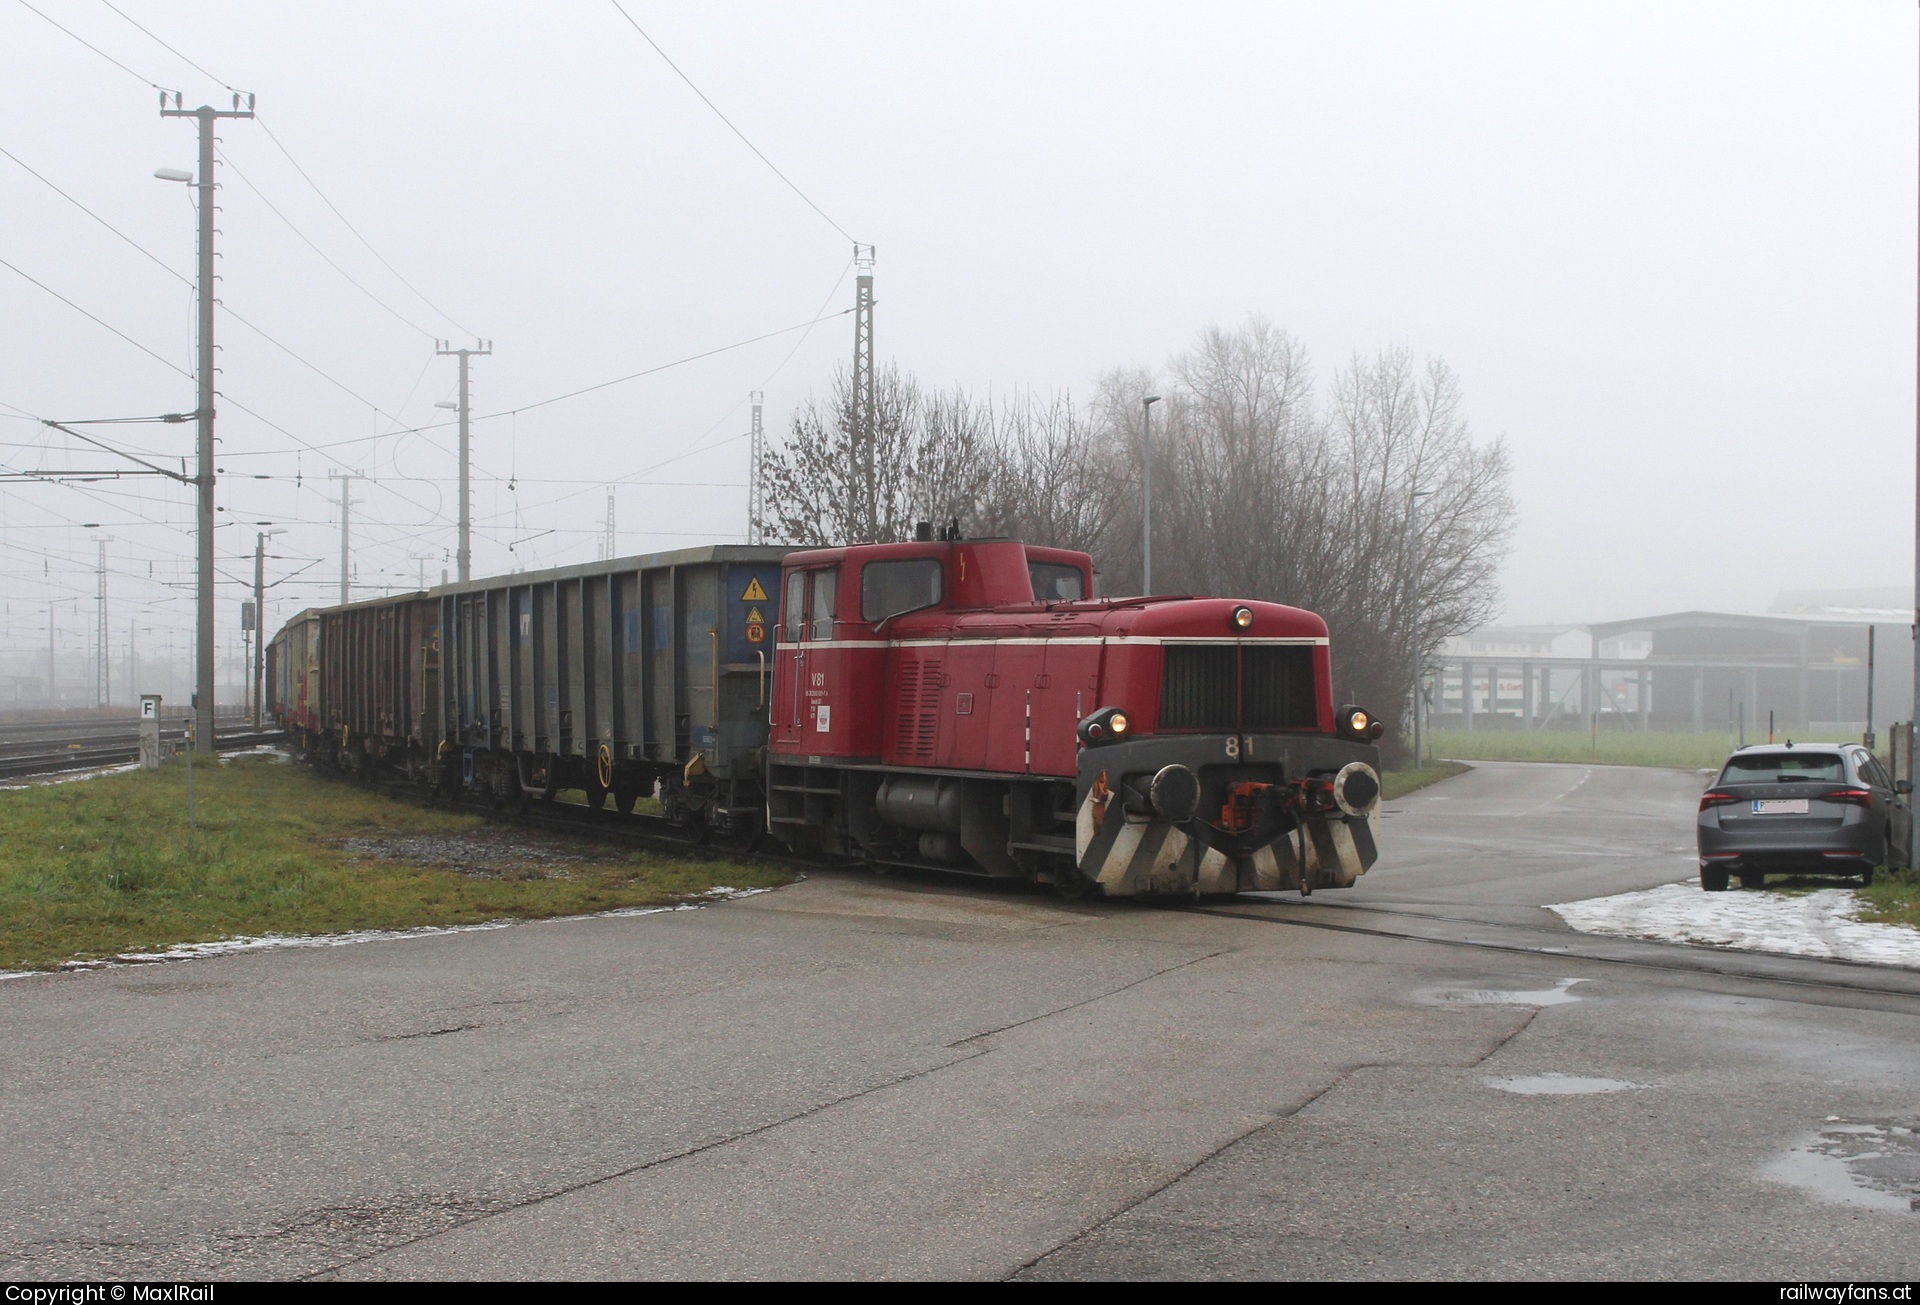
(1668, 249)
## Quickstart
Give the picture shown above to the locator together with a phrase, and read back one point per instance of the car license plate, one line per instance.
(1779, 806)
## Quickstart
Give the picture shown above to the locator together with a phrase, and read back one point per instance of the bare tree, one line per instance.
(1376, 510)
(932, 460)
(1424, 515)
(1053, 483)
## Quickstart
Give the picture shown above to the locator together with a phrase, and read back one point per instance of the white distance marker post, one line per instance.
(149, 731)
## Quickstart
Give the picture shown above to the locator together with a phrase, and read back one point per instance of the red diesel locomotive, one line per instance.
(964, 705)
(967, 704)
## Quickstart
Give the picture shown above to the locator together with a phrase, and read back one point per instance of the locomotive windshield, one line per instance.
(1055, 582)
(891, 588)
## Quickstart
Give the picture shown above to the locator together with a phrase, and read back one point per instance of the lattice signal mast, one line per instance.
(608, 546)
(866, 526)
(756, 483)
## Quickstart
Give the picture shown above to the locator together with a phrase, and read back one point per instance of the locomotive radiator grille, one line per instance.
(1199, 690)
(1230, 687)
(918, 708)
(1277, 691)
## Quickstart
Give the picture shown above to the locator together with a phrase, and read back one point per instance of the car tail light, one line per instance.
(1859, 797)
(1714, 798)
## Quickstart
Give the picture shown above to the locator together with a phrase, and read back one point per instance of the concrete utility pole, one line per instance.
(866, 503)
(481, 349)
(1146, 494)
(203, 481)
(102, 676)
(756, 493)
(260, 621)
(609, 543)
(346, 479)
(52, 698)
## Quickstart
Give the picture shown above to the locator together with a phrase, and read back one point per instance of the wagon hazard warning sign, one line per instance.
(756, 625)
(754, 594)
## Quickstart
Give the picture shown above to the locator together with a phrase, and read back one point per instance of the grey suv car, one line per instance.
(1809, 809)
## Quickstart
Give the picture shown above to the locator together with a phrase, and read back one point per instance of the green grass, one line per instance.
(1677, 750)
(1399, 783)
(1891, 899)
(108, 865)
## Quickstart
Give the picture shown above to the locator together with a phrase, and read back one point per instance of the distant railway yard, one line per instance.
(505, 1059)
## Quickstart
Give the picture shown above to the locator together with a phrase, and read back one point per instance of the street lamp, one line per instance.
(203, 691)
(1146, 494)
(1413, 602)
(260, 620)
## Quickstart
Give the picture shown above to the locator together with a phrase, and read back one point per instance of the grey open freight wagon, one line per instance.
(626, 677)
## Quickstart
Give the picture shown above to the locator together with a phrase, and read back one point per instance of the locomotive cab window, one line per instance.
(820, 605)
(894, 588)
(1055, 582)
(796, 613)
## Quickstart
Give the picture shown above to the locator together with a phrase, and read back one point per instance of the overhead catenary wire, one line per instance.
(261, 123)
(169, 49)
(97, 50)
(171, 366)
(324, 257)
(304, 174)
(238, 317)
(757, 152)
(285, 216)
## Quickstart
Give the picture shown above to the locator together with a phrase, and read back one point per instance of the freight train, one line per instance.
(956, 704)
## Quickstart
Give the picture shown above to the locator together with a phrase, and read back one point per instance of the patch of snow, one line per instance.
(1821, 923)
(69, 776)
(279, 754)
(1557, 995)
(1559, 1085)
(274, 942)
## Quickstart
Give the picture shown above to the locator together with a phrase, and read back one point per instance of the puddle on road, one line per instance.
(1870, 1163)
(1559, 1085)
(1557, 995)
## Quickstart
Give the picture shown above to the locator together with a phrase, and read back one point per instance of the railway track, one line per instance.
(87, 753)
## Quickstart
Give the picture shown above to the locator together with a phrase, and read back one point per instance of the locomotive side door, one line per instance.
(807, 678)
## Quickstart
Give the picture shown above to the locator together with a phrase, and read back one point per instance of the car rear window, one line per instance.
(1785, 768)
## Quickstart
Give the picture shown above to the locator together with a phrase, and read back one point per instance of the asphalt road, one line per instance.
(857, 1078)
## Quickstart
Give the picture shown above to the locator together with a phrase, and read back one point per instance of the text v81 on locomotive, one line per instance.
(965, 705)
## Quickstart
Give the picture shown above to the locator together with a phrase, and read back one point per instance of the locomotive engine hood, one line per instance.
(1230, 773)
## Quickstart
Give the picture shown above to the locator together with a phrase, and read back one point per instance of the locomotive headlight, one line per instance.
(1107, 725)
(1243, 618)
(1359, 721)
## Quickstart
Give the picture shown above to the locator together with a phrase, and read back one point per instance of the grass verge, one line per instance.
(108, 865)
(1399, 783)
(1891, 899)
(1674, 749)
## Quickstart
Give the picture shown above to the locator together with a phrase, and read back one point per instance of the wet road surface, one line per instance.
(1424, 1077)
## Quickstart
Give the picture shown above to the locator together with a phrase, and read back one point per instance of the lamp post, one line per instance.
(260, 620)
(1146, 494)
(1413, 589)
